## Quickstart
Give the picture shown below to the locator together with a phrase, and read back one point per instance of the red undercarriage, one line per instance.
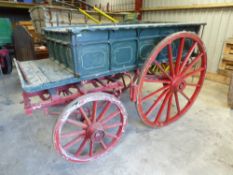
(64, 94)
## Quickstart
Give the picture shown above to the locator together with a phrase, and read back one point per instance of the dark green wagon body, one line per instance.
(95, 51)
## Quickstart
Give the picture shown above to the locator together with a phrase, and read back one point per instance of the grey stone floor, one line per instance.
(199, 143)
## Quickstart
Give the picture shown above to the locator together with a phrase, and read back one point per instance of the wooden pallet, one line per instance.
(226, 63)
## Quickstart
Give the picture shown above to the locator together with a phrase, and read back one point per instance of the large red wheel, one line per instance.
(166, 94)
(89, 127)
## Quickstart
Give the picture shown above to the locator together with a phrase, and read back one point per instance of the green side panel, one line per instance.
(5, 31)
(146, 46)
(93, 59)
(68, 56)
(55, 51)
(123, 54)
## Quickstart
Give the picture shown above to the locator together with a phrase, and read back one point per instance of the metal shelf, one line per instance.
(18, 5)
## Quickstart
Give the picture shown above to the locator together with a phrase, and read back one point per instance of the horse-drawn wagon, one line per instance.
(162, 65)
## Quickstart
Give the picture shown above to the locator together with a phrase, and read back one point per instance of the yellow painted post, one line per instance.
(106, 15)
(89, 16)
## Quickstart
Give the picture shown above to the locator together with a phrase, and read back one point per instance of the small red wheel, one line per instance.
(164, 96)
(81, 136)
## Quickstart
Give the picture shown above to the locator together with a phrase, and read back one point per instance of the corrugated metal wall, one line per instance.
(219, 23)
(115, 5)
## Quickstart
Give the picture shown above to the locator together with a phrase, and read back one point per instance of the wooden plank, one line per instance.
(227, 57)
(33, 74)
(45, 71)
(54, 71)
(58, 75)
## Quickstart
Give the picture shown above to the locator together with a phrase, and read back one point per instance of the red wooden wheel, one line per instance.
(89, 127)
(165, 95)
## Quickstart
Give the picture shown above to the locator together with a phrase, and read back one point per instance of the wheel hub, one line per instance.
(95, 132)
(178, 84)
(181, 86)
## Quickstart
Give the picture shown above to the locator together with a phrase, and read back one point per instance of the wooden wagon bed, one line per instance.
(42, 74)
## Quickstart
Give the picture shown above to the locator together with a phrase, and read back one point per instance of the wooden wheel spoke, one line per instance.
(177, 102)
(112, 136)
(170, 59)
(91, 149)
(155, 103)
(111, 116)
(154, 79)
(94, 111)
(188, 56)
(73, 142)
(113, 125)
(169, 107)
(154, 93)
(76, 123)
(85, 116)
(193, 85)
(81, 148)
(184, 95)
(192, 63)
(103, 144)
(162, 107)
(73, 133)
(123, 80)
(179, 55)
(193, 72)
(107, 106)
(162, 70)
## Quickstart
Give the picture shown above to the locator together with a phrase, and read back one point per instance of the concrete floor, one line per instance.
(199, 143)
